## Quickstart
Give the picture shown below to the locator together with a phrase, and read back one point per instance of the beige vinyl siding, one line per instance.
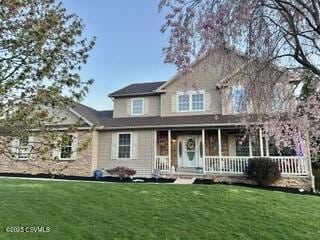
(122, 107)
(65, 117)
(142, 156)
(205, 75)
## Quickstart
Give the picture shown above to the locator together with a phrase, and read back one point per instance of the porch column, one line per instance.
(169, 149)
(308, 159)
(203, 151)
(267, 147)
(219, 149)
(250, 146)
(261, 142)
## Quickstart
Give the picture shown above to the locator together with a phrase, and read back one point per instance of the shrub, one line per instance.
(122, 172)
(316, 174)
(263, 171)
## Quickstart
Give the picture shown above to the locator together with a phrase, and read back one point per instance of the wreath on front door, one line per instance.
(190, 144)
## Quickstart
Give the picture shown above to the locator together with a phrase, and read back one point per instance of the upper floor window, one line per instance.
(137, 106)
(190, 101)
(238, 99)
(124, 145)
(183, 103)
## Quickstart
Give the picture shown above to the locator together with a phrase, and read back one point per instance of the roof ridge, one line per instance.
(147, 82)
(134, 89)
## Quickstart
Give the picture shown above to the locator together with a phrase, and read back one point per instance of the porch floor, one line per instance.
(192, 173)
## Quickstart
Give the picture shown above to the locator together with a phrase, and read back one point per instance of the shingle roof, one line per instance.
(88, 113)
(105, 120)
(108, 122)
(138, 89)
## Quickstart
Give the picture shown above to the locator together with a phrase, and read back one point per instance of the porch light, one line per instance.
(174, 140)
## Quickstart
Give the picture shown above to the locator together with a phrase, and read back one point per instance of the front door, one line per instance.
(189, 151)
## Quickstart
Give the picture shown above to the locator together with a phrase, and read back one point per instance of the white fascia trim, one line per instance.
(65, 128)
(80, 116)
(175, 77)
(180, 126)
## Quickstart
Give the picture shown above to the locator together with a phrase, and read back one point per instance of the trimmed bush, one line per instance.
(316, 174)
(263, 171)
(122, 172)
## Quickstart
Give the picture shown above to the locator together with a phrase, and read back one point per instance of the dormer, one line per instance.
(137, 100)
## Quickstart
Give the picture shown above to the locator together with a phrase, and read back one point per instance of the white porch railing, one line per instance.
(162, 163)
(292, 165)
(236, 165)
(229, 164)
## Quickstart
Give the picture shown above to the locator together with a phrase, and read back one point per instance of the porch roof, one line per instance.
(108, 122)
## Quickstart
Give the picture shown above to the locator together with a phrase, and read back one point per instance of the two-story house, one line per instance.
(171, 129)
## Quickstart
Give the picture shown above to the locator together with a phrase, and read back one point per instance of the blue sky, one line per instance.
(128, 49)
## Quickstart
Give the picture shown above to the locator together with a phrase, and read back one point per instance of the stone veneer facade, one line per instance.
(288, 182)
(299, 182)
(81, 166)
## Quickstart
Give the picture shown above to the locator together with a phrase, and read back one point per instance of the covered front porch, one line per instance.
(225, 151)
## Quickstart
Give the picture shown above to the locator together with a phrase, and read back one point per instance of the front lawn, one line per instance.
(150, 211)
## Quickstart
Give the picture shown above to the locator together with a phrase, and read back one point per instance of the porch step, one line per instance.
(184, 181)
(186, 170)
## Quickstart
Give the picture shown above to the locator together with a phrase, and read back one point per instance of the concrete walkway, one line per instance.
(184, 181)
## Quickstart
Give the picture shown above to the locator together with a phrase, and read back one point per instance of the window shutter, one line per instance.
(146, 106)
(207, 100)
(173, 103)
(134, 145)
(56, 153)
(14, 147)
(114, 144)
(128, 106)
(74, 146)
(226, 101)
(31, 145)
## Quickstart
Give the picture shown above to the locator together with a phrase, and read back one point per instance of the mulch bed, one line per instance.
(154, 180)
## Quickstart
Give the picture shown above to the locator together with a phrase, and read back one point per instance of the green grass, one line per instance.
(150, 211)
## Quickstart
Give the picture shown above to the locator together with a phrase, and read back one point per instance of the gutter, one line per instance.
(177, 126)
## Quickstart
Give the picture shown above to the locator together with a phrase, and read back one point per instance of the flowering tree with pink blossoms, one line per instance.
(276, 34)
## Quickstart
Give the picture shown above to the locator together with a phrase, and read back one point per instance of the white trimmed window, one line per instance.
(137, 106)
(190, 101)
(124, 145)
(238, 99)
(23, 148)
(66, 148)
